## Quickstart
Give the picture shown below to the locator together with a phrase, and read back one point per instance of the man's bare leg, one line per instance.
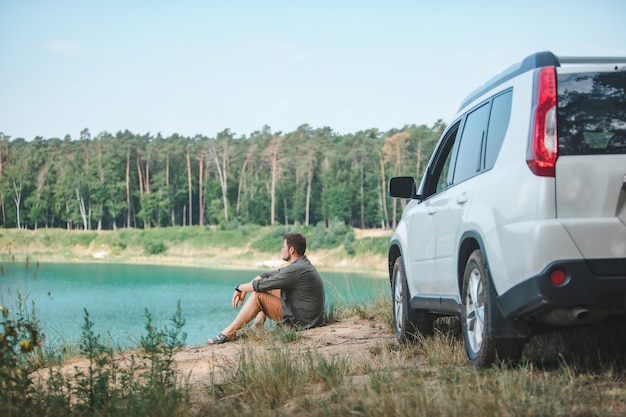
(259, 321)
(248, 311)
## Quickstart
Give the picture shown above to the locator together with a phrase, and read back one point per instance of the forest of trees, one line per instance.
(122, 180)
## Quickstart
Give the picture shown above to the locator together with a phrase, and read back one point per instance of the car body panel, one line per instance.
(591, 203)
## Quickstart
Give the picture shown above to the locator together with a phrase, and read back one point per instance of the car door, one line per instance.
(422, 218)
(454, 203)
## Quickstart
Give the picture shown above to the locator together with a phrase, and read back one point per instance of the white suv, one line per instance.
(519, 223)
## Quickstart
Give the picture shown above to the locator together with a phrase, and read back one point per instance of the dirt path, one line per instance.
(350, 338)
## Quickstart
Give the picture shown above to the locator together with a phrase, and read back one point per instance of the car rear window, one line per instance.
(592, 113)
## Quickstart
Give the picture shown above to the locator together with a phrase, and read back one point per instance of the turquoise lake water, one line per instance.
(117, 296)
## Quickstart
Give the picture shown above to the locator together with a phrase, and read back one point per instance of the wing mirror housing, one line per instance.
(402, 187)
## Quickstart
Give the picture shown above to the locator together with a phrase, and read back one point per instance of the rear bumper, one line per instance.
(598, 283)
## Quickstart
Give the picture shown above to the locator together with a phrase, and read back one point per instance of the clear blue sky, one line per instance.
(199, 67)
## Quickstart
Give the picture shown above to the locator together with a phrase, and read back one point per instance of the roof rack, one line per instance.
(592, 59)
(536, 60)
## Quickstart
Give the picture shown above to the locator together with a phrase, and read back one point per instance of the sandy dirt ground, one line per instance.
(350, 339)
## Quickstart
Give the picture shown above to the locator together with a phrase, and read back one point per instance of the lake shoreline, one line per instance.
(210, 258)
(199, 248)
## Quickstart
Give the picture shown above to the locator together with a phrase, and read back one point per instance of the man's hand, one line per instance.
(238, 298)
(241, 290)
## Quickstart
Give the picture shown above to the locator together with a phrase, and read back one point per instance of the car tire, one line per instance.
(482, 350)
(407, 323)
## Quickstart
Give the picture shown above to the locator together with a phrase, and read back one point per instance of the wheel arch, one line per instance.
(499, 326)
(470, 241)
(394, 253)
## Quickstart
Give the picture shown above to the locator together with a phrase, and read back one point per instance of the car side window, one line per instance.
(473, 140)
(498, 125)
(437, 177)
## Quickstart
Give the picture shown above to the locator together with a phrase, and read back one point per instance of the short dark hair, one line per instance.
(296, 241)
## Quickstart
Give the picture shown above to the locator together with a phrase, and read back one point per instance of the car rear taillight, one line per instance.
(542, 152)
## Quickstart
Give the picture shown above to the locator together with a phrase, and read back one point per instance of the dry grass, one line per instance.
(430, 377)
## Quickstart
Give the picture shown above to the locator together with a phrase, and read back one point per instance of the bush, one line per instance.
(20, 354)
(347, 243)
(147, 385)
(82, 238)
(328, 237)
(154, 248)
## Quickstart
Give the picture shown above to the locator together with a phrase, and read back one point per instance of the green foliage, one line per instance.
(271, 240)
(372, 246)
(81, 238)
(20, 337)
(146, 385)
(160, 346)
(320, 176)
(348, 243)
(328, 237)
(94, 390)
(154, 247)
(333, 312)
(287, 334)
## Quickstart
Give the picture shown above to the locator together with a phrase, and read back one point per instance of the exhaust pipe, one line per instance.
(579, 313)
(573, 315)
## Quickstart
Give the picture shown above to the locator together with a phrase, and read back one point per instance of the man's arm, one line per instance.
(284, 278)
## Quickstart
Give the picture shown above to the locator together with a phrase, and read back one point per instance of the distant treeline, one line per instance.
(111, 181)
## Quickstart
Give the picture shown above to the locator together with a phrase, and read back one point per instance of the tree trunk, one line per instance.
(362, 195)
(140, 174)
(222, 173)
(81, 207)
(101, 178)
(200, 188)
(274, 164)
(128, 188)
(190, 191)
(241, 177)
(17, 199)
(383, 198)
(309, 186)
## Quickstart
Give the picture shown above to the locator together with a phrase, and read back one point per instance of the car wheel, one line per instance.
(407, 323)
(482, 349)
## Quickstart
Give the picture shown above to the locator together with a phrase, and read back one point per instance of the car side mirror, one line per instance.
(402, 187)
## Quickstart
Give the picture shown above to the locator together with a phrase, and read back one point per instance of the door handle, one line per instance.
(462, 199)
(432, 210)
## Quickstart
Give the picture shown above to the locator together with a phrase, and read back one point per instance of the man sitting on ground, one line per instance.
(301, 300)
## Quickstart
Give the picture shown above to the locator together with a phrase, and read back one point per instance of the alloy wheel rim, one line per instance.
(397, 301)
(475, 311)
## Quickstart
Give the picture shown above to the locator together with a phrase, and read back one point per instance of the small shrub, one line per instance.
(20, 338)
(231, 225)
(146, 386)
(82, 238)
(154, 248)
(347, 243)
(333, 312)
(287, 334)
